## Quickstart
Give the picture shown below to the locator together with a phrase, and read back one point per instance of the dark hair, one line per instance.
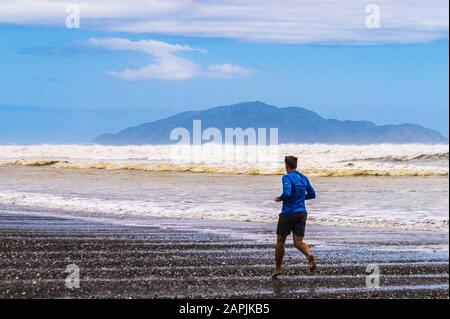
(291, 162)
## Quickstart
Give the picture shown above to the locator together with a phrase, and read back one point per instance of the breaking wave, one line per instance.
(422, 157)
(241, 170)
(315, 160)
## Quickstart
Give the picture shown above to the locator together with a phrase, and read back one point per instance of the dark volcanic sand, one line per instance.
(148, 262)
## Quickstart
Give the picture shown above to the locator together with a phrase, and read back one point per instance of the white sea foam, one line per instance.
(149, 209)
(401, 202)
(315, 159)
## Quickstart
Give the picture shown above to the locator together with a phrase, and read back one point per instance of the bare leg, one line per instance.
(279, 254)
(304, 248)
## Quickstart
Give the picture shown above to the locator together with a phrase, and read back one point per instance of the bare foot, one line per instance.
(276, 273)
(312, 263)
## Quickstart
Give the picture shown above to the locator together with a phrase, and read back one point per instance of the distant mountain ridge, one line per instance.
(295, 125)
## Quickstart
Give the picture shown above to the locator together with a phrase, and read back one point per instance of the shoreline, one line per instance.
(416, 203)
(259, 231)
(118, 261)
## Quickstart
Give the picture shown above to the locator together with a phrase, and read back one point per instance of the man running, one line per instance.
(296, 189)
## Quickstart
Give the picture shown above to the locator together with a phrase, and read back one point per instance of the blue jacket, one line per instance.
(296, 189)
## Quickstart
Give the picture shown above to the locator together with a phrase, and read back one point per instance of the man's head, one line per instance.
(291, 163)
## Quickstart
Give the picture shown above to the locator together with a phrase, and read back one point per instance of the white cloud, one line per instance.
(228, 71)
(286, 21)
(168, 65)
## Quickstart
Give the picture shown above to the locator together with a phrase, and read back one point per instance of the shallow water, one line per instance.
(419, 203)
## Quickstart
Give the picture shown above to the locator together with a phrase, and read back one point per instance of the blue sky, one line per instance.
(393, 77)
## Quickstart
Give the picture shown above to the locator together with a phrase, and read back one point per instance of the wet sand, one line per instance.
(118, 261)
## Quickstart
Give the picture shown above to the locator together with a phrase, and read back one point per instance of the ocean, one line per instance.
(385, 186)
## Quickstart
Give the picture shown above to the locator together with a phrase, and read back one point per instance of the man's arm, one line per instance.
(310, 192)
(287, 188)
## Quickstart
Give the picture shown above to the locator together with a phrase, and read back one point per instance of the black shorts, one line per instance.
(295, 223)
